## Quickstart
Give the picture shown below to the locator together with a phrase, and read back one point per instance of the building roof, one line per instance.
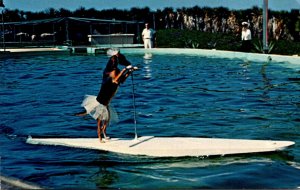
(77, 19)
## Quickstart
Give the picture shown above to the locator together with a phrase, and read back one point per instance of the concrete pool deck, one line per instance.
(12, 52)
(21, 50)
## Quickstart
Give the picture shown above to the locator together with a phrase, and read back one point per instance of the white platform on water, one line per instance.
(169, 146)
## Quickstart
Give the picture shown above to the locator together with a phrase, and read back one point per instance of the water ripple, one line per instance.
(180, 95)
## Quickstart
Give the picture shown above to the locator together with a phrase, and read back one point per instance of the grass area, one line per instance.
(174, 38)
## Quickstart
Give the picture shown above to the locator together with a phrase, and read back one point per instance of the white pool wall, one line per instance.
(218, 54)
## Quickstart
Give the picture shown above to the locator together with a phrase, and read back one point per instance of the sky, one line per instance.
(42, 5)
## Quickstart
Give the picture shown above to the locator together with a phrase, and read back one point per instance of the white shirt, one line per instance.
(246, 35)
(148, 33)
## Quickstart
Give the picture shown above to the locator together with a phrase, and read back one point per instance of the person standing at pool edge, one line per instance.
(246, 37)
(97, 106)
(148, 36)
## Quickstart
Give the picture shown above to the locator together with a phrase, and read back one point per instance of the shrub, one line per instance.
(175, 38)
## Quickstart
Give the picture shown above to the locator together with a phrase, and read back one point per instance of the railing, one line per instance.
(97, 39)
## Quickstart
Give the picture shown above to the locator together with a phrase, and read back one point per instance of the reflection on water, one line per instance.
(105, 178)
(266, 81)
(147, 65)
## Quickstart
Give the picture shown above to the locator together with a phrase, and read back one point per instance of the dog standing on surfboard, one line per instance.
(97, 106)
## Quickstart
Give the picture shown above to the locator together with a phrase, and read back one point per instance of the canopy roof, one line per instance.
(78, 19)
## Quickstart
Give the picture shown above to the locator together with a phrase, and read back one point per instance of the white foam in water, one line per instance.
(13, 183)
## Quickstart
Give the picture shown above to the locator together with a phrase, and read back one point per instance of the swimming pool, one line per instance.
(176, 95)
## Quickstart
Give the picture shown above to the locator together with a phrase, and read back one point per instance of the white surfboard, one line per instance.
(169, 146)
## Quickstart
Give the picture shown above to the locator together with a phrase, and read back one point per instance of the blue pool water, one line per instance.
(176, 95)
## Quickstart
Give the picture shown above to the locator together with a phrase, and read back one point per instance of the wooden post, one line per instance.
(67, 31)
(3, 29)
(265, 26)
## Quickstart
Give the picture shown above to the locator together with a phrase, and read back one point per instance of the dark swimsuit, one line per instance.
(108, 88)
(107, 91)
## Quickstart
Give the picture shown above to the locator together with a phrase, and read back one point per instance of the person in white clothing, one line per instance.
(246, 37)
(148, 36)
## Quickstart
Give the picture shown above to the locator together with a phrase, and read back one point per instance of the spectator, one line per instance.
(246, 37)
(148, 36)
